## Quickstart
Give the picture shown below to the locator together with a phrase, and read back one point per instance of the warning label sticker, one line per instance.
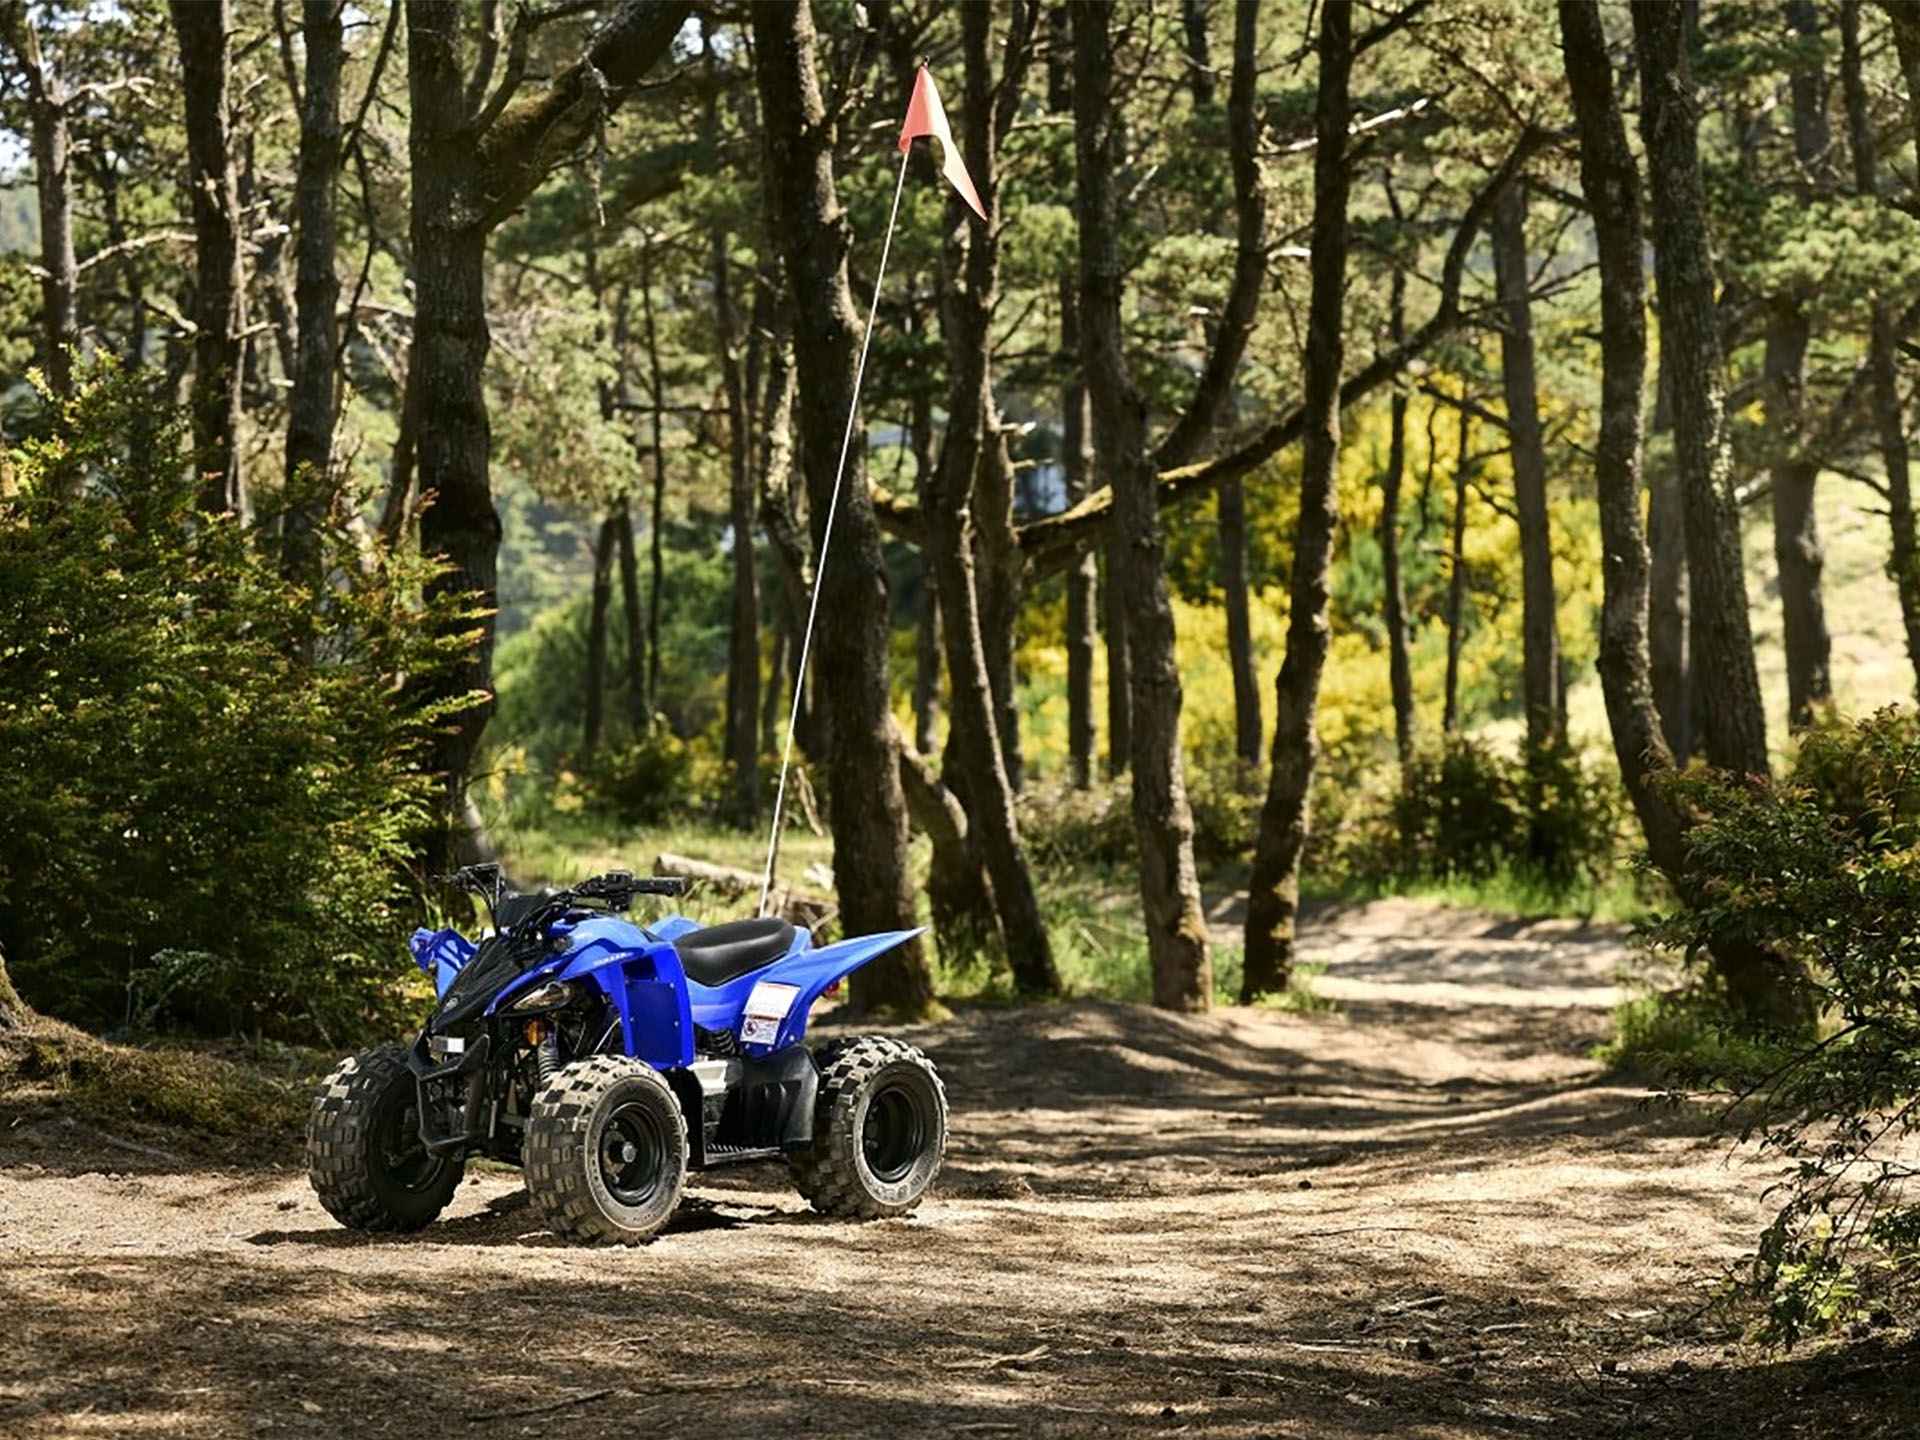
(766, 1007)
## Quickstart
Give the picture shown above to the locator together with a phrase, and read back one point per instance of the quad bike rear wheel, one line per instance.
(606, 1151)
(879, 1130)
(364, 1155)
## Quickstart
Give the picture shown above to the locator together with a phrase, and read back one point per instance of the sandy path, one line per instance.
(1424, 1215)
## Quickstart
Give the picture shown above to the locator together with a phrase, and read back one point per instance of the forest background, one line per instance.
(1366, 448)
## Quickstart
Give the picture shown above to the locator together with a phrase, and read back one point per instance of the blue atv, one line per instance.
(607, 1058)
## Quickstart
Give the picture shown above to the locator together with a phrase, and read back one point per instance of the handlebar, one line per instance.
(616, 887)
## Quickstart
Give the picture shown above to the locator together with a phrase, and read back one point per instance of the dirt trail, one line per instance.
(1425, 1215)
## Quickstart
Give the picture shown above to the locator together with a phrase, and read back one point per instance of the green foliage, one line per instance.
(641, 782)
(1822, 867)
(215, 776)
(1463, 810)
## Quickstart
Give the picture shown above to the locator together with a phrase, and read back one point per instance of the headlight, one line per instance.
(551, 996)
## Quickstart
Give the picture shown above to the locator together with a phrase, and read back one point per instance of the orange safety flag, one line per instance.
(927, 116)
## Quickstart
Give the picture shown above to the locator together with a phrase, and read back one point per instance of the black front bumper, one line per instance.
(446, 1135)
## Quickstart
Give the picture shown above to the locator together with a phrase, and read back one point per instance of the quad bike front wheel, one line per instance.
(879, 1131)
(364, 1154)
(606, 1151)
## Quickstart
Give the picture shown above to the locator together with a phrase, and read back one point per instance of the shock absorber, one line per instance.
(546, 1050)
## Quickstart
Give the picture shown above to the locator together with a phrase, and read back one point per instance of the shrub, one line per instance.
(1464, 811)
(1822, 867)
(213, 777)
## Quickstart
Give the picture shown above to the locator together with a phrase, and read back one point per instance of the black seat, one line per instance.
(725, 952)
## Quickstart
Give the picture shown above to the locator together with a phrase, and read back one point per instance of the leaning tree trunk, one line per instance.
(202, 26)
(1227, 343)
(311, 402)
(1169, 886)
(1889, 421)
(1765, 988)
(1612, 186)
(1539, 627)
(869, 813)
(1274, 887)
(1734, 723)
(975, 717)
(1796, 532)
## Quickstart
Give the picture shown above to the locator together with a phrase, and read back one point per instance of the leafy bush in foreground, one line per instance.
(212, 776)
(1823, 867)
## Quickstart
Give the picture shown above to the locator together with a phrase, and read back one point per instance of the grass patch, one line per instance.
(1681, 1037)
(1623, 897)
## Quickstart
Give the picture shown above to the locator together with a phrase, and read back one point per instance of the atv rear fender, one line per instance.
(795, 981)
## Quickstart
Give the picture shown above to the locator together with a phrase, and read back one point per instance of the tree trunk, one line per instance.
(959, 902)
(1796, 531)
(634, 674)
(998, 581)
(1169, 887)
(1274, 886)
(47, 102)
(1076, 458)
(1669, 606)
(743, 633)
(1889, 423)
(218, 294)
(311, 403)
(1119, 660)
(471, 169)
(1227, 341)
(656, 553)
(1232, 517)
(926, 652)
(13, 1010)
(1734, 723)
(1083, 576)
(1457, 575)
(452, 436)
(1612, 186)
(1540, 630)
(1764, 987)
(869, 813)
(596, 716)
(974, 715)
(1399, 656)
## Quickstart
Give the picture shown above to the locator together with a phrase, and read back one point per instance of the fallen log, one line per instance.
(810, 908)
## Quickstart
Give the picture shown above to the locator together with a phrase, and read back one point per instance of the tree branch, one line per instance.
(1050, 545)
(517, 149)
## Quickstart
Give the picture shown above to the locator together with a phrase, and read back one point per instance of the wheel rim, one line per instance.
(407, 1162)
(895, 1135)
(633, 1148)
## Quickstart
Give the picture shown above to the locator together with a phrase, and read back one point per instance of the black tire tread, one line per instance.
(338, 1132)
(824, 1172)
(554, 1157)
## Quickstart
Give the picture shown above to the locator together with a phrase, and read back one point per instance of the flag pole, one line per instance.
(826, 537)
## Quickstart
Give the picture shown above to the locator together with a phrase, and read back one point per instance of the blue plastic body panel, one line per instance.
(809, 971)
(440, 954)
(648, 990)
